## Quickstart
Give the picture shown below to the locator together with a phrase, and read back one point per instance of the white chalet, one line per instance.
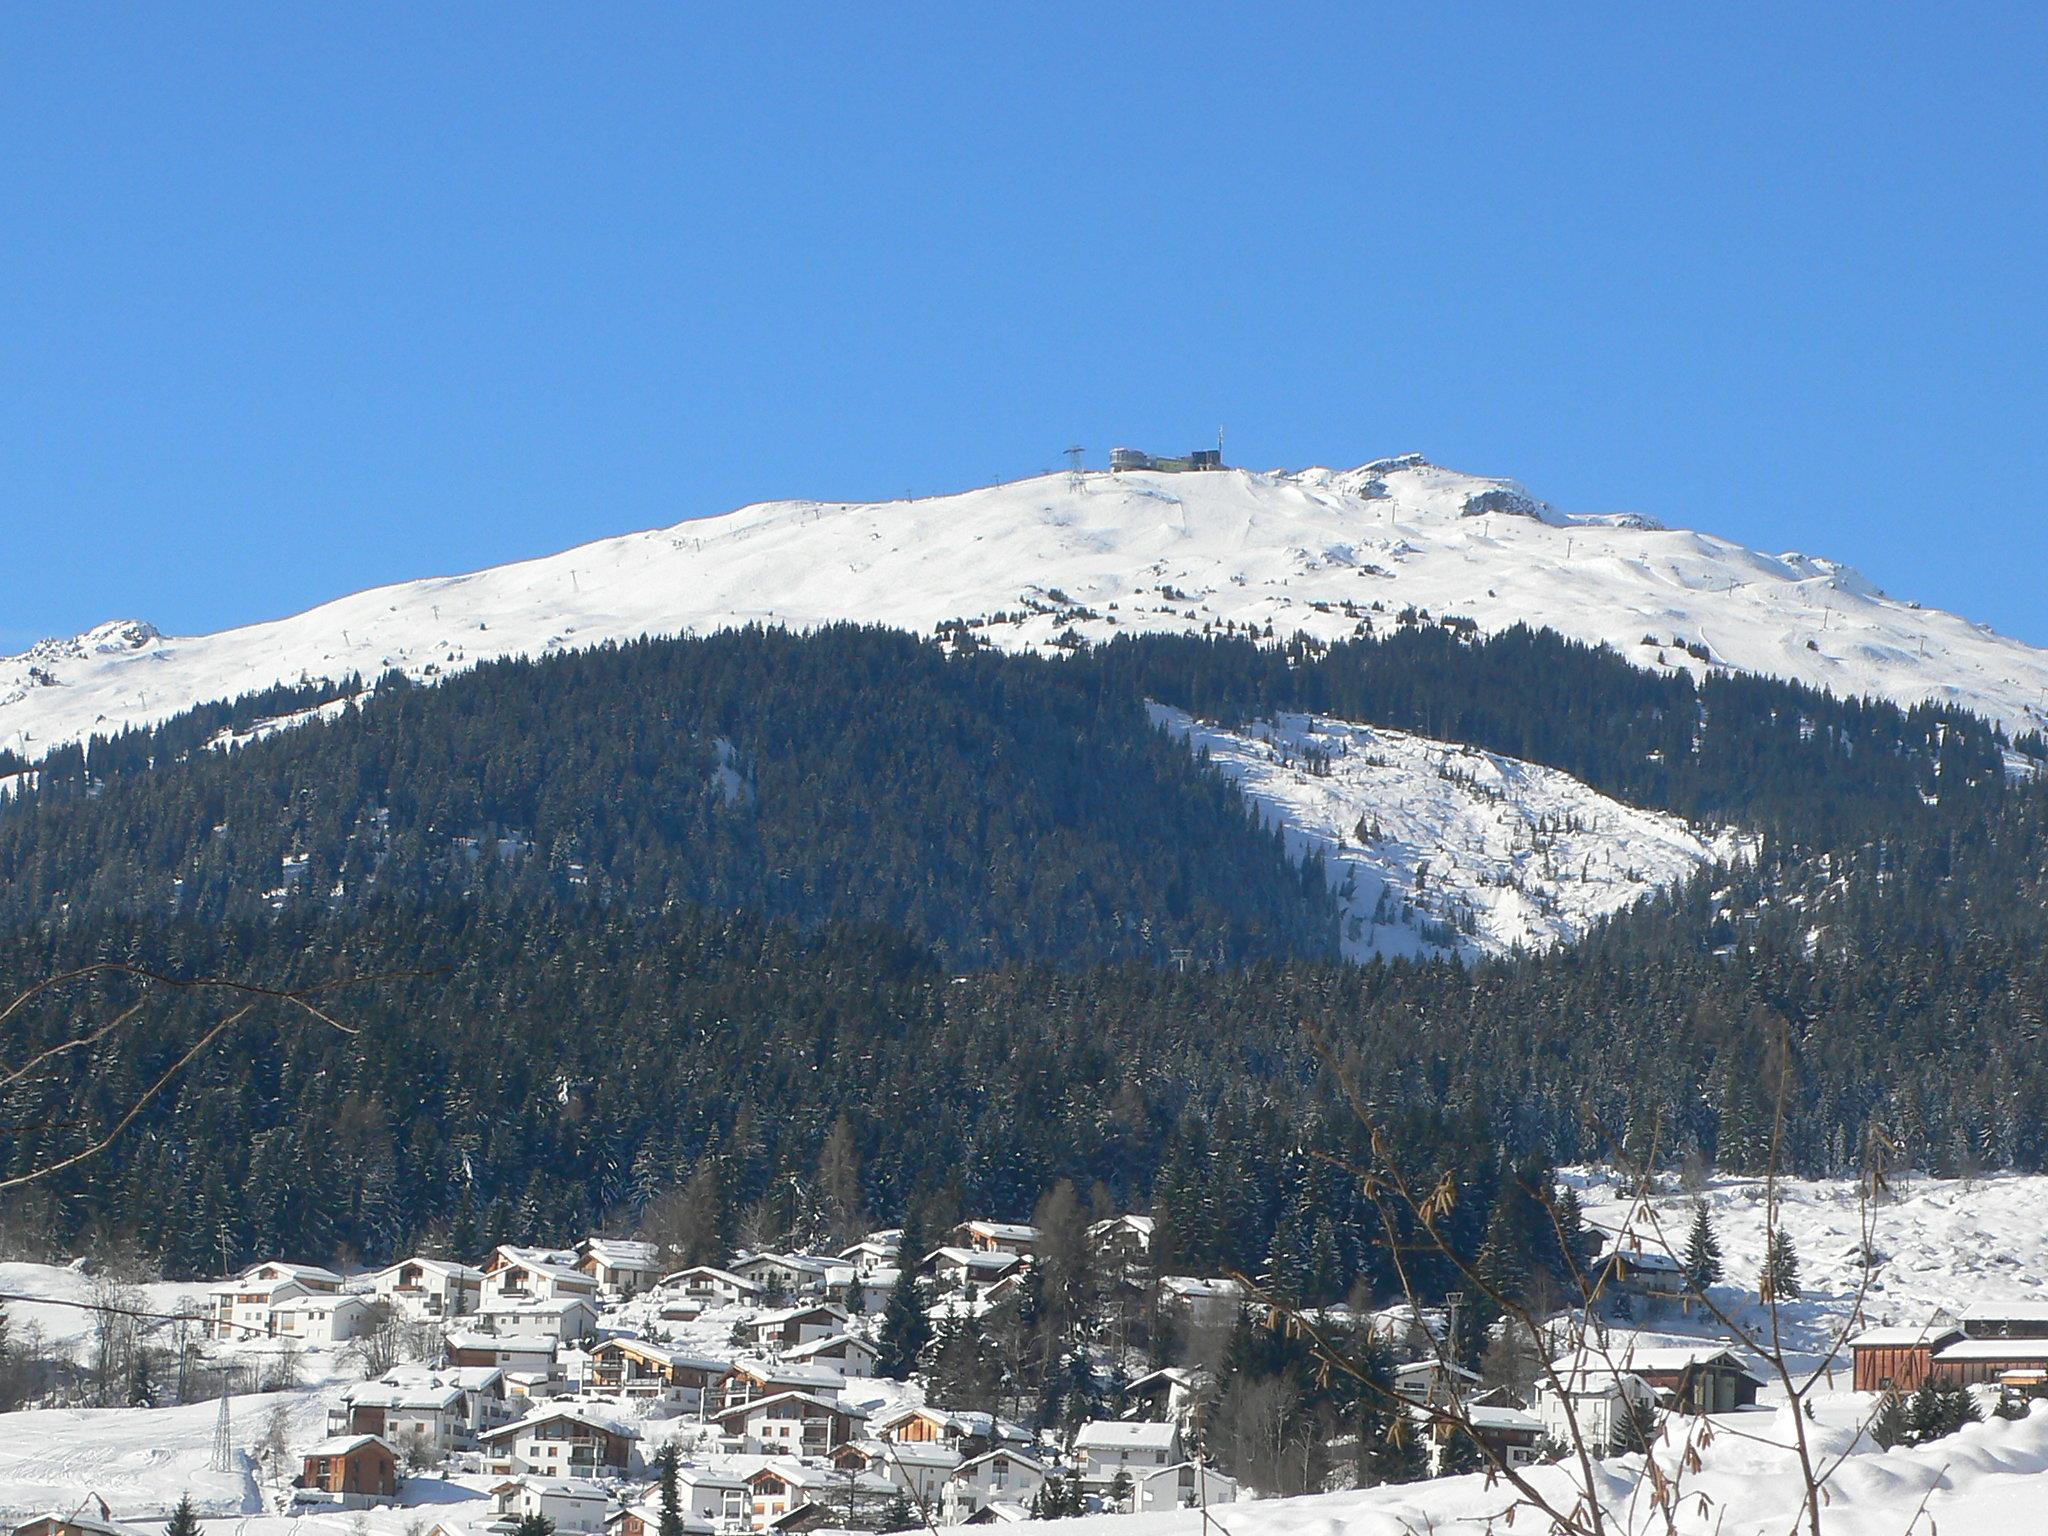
(527, 1353)
(245, 1307)
(1105, 1447)
(620, 1267)
(1189, 1485)
(707, 1283)
(796, 1325)
(566, 1318)
(789, 1424)
(1610, 1407)
(562, 1440)
(420, 1288)
(322, 1317)
(1000, 1476)
(572, 1505)
(996, 1237)
(847, 1353)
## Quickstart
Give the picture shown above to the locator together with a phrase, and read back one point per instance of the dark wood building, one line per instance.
(1897, 1359)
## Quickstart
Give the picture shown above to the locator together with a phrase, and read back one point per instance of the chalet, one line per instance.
(1897, 1359)
(1202, 1303)
(1007, 1476)
(839, 1498)
(1512, 1434)
(423, 1288)
(705, 1283)
(1693, 1378)
(1612, 1409)
(353, 1471)
(2007, 1320)
(785, 1274)
(1641, 1280)
(789, 1424)
(2019, 1363)
(969, 1433)
(90, 1518)
(444, 1408)
(565, 1318)
(644, 1372)
(524, 1279)
(1171, 1394)
(1434, 1380)
(245, 1307)
(796, 1325)
(995, 1237)
(877, 1250)
(847, 1353)
(570, 1505)
(1105, 1447)
(969, 1271)
(751, 1379)
(719, 1497)
(644, 1519)
(920, 1470)
(527, 1353)
(1188, 1485)
(620, 1268)
(322, 1317)
(1122, 1241)
(561, 1441)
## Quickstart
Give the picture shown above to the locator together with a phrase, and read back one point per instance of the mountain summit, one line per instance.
(1063, 559)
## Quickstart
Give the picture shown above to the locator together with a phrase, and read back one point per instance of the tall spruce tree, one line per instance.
(1702, 1250)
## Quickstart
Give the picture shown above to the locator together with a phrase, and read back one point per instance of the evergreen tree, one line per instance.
(1702, 1250)
(534, 1525)
(184, 1520)
(1888, 1426)
(1924, 1411)
(1780, 1279)
(906, 1329)
(666, 1462)
(141, 1389)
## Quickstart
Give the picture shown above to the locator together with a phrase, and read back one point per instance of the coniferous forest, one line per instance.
(718, 911)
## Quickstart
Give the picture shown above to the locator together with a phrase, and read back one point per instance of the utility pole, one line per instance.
(223, 1459)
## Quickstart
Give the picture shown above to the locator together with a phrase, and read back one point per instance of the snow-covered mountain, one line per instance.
(1435, 848)
(1329, 552)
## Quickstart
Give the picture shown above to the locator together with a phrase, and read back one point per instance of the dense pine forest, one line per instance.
(728, 915)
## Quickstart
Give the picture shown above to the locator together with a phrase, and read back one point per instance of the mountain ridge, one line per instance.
(1064, 559)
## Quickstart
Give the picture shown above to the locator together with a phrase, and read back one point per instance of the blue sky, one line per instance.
(290, 308)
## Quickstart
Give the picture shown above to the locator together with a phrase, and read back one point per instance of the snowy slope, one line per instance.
(1323, 551)
(1437, 848)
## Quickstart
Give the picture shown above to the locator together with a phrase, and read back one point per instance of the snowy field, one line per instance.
(1464, 851)
(1320, 551)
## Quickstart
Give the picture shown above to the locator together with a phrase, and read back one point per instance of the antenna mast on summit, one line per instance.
(1074, 467)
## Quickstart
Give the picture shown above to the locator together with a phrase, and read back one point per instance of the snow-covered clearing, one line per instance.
(1435, 848)
(1320, 551)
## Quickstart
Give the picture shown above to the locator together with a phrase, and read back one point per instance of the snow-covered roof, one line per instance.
(556, 1487)
(1007, 1453)
(1994, 1349)
(548, 1412)
(771, 1373)
(342, 1445)
(807, 1399)
(1640, 1258)
(509, 1343)
(1501, 1417)
(1197, 1288)
(622, 1253)
(446, 1268)
(1903, 1337)
(791, 1314)
(1991, 1312)
(1126, 1434)
(1002, 1231)
(973, 1258)
(710, 1272)
(840, 1342)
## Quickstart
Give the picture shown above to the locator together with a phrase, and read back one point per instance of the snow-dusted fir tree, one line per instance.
(1702, 1250)
(1780, 1279)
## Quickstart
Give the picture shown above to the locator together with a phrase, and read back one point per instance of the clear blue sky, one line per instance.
(296, 302)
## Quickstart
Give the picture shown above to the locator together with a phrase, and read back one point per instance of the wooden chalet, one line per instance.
(352, 1468)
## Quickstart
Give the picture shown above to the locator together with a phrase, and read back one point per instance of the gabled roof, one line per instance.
(791, 1314)
(811, 1400)
(1001, 1231)
(2006, 1312)
(1003, 1451)
(548, 1412)
(446, 1268)
(2032, 1350)
(305, 1274)
(622, 1253)
(511, 1343)
(723, 1276)
(1639, 1258)
(770, 1374)
(974, 1258)
(1195, 1287)
(836, 1341)
(675, 1358)
(343, 1445)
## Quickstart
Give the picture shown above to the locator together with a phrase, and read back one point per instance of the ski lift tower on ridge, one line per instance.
(1074, 467)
